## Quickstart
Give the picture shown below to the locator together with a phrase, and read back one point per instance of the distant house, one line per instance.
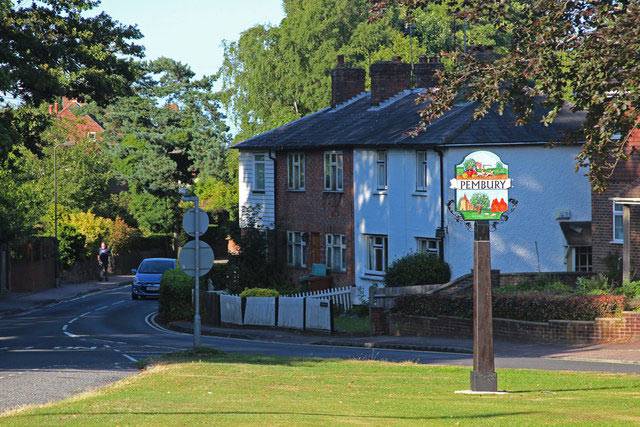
(79, 126)
(347, 186)
(616, 217)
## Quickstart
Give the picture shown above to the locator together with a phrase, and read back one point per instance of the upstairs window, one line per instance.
(377, 254)
(91, 135)
(297, 248)
(618, 225)
(259, 164)
(429, 246)
(295, 170)
(381, 170)
(336, 252)
(421, 171)
(333, 171)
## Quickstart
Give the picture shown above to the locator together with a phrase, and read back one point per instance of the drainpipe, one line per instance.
(275, 204)
(440, 232)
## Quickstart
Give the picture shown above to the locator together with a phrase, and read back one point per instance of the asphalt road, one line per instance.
(90, 341)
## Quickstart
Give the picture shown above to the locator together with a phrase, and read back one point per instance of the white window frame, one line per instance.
(377, 245)
(296, 248)
(427, 245)
(588, 267)
(92, 135)
(617, 215)
(259, 160)
(422, 171)
(381, 170)
(295, 171)
(333, 171)
(333, 243)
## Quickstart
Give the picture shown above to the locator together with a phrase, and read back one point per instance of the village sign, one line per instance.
(481, 183)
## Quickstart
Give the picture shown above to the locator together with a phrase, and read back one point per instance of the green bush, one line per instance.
(630, 290)
(417, 269)
(533, 307)
(71, 245)
(543, 287)
(259, 292)
(596, 285)
(175, 296)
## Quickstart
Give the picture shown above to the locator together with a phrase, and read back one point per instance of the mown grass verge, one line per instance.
(211, 388)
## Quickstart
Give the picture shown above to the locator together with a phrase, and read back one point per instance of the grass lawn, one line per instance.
(231, 389)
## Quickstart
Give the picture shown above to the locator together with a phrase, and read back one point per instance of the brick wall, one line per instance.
(316, 212)
(620, 185)
(602, 330)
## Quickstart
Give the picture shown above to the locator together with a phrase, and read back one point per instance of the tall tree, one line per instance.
(168, 132)
(53, 47)
(583, 51)
(273, 75)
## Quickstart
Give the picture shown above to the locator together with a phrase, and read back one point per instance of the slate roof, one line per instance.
(357, 124)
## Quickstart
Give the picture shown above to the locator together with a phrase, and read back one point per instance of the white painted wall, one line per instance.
(544, 182)
(247, 197)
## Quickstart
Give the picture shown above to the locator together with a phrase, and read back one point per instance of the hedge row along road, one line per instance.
(55, 352)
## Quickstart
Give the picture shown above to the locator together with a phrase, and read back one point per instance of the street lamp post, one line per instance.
(56, 265)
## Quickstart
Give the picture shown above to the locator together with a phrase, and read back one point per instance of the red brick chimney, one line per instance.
(425, 71)
(346, 82)
(388, 78)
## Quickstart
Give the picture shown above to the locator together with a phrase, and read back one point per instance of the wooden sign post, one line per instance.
(482, 183)
(483, 376)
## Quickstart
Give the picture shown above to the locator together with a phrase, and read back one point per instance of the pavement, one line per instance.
(626, 353)
(55, 351)
(13, 303)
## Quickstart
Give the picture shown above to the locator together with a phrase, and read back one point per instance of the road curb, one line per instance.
(436, 349)
(6, 314)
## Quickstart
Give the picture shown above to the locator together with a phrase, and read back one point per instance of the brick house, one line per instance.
(616, 217)
(347, 186)
(78, 126)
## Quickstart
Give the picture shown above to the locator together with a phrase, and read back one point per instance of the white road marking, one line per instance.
(129, 357)
(69, 334)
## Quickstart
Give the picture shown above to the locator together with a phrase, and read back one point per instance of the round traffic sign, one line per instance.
(189, 221)
(187, 258)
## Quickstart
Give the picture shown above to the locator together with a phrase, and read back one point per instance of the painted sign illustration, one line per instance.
(482, 187)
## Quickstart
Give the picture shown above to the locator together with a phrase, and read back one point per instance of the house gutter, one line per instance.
(440, 232)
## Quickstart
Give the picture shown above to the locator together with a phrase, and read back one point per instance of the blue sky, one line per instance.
(192, 31)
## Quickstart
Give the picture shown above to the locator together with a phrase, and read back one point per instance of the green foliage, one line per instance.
(94, 228)
(18, 208)
(216, 195)
(417, 269)
(59, 47)
(538, 286)
(534, 307)
(596, 285)
(275, 74)
(153, 214)
(584, 52)
(630, 290)
(259, 292)
(175, 296)
(71, 245)
(480, 199)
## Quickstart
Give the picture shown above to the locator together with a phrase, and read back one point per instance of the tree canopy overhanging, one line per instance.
(586, 52)
(54, 48)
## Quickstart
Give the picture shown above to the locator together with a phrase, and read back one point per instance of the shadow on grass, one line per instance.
(560, 390)
(287, 413)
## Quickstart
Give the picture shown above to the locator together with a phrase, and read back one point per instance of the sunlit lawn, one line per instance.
(231, 389)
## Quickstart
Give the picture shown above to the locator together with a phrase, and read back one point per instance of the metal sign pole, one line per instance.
(483, 376)
(196, 298)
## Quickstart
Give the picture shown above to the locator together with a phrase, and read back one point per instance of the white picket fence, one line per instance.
(342, 297)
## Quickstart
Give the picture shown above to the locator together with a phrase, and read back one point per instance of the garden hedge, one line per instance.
(175, 296)
(259, 292)
(417, 269)
(533, 307)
